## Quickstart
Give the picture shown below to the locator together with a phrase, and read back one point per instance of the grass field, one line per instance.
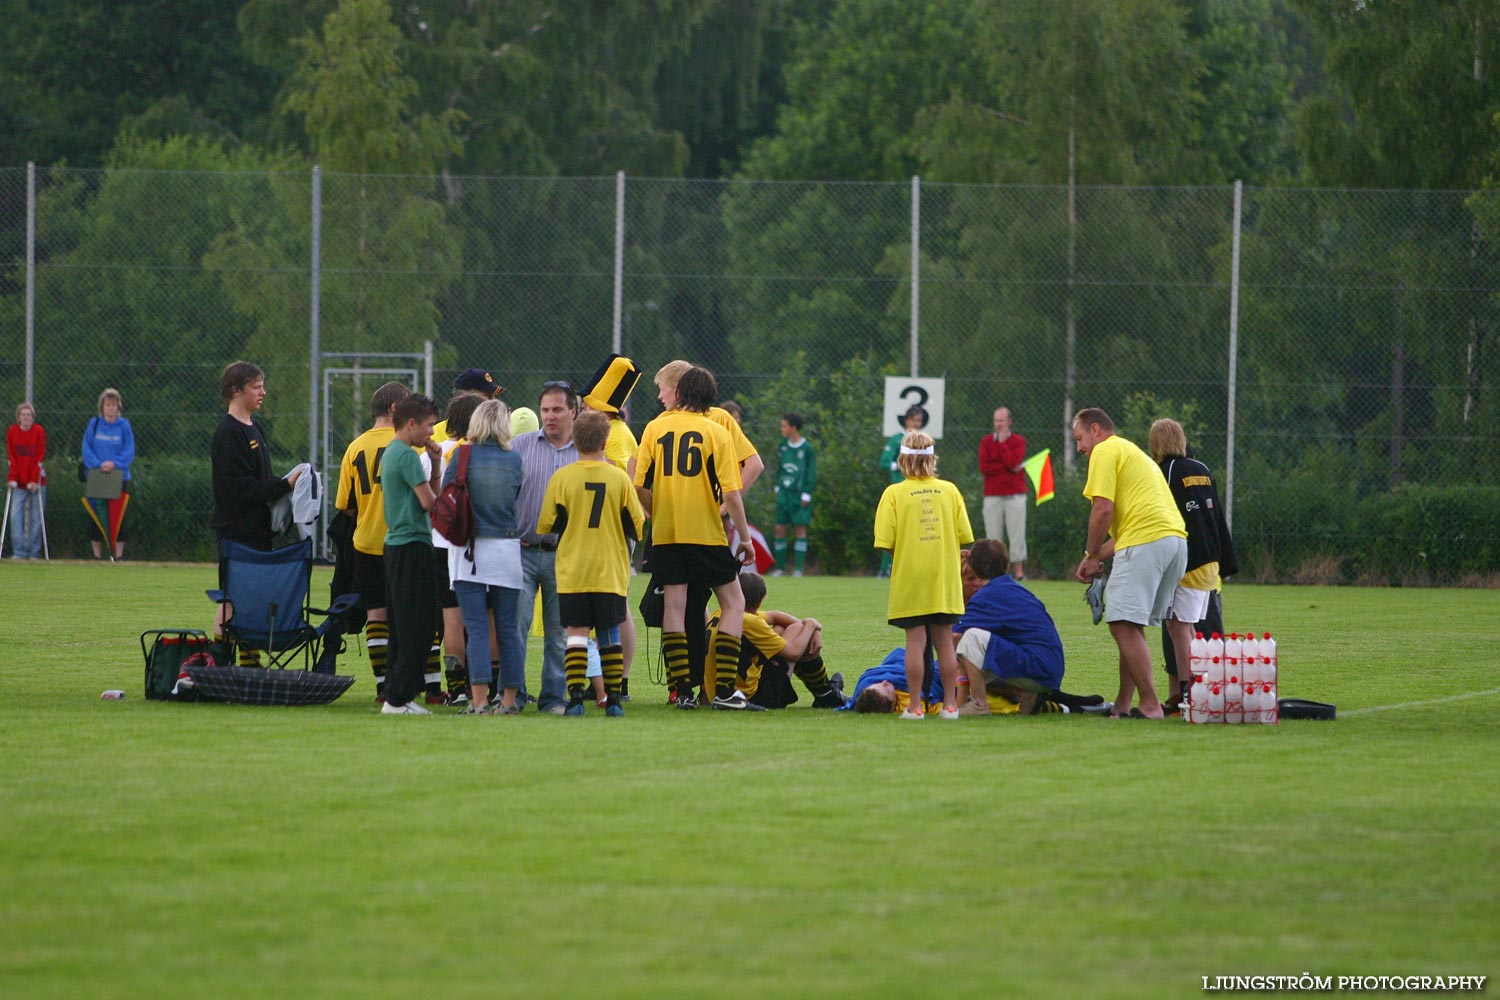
(215, 851)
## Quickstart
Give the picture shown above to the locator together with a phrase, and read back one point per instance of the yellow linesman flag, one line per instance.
(1039, 470)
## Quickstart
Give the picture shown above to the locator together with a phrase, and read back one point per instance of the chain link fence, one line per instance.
(1330, 352)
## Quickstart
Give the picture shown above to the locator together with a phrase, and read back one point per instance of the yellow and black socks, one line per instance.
(457, 676)
(812, 673)
(377, 638)
(612, 663)
(576, 666)
(727, 654)
(674, 647)
(434, 674)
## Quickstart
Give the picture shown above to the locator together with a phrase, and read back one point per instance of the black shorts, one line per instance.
(916, 620)
(591, 610)
(440, 570)
(369, 580)
(706, 565)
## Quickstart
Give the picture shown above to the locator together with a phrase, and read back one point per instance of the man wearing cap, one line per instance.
(542, 453)
(471, 380)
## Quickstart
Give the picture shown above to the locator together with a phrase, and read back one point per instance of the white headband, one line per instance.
(917, 451)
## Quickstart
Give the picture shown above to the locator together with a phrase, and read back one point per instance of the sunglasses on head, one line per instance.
(557, 385)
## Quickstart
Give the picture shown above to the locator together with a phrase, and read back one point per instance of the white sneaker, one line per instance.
(948, 713)
(909, 714)
(410, 708)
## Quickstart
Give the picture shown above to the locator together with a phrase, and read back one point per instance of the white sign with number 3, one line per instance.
(903, 393)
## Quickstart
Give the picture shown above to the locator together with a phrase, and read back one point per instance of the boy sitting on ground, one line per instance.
(775, 646)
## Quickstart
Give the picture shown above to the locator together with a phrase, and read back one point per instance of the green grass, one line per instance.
(219, 851)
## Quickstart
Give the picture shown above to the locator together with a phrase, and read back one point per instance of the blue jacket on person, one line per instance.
(494, 481)
(109, 442)
(1025, 642)
(893, 669)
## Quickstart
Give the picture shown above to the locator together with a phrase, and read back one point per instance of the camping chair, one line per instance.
(268, 609)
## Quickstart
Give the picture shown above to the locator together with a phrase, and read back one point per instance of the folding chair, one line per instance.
(266, 594)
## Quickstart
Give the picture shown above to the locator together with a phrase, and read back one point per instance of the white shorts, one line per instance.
(972, 645)
(1005, 521)
(1143, 580)
(1189, 605)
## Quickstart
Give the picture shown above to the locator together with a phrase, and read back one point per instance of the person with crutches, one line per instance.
(26, 486)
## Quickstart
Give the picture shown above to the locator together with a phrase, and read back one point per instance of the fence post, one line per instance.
(916, 271)
(1234, 357)
(315, 334)
(427, 367)
(30, 282)
(618, 339)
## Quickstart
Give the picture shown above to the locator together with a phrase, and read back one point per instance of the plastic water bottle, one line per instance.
(1234, 700)
(1198, 700)
(1268, 708)
(1268, 663)
(1198, 661)
(1252, 704)
(1215, 673)
(1215, 646)
(1215, 703)
(1232, 653)
(1250, 653)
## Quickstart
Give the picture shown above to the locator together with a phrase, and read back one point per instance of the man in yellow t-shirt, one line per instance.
(1135, 522)
(359, 493)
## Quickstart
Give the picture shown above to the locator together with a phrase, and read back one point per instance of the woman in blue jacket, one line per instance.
(109, 443)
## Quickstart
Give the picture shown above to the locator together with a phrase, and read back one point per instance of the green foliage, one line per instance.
(354, 98)
(842, 413)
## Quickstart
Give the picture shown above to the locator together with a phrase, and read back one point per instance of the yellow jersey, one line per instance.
(924, 523)
(1144, 509)
(742, 449)
(687, 462)
(593, 509)
(759, 644)
(359, 487)
(620, 447)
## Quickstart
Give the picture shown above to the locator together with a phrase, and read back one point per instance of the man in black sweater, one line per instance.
(244, 485)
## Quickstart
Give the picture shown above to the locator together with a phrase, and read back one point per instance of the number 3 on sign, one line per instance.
(903, 393)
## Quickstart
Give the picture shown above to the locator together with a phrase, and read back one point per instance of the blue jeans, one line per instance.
(539, 571)
(478, 603)
(26, 522)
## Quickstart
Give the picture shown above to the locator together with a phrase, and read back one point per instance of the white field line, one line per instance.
(1418, 704)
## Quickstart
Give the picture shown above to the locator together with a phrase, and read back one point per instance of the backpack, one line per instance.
(453, 513)
(166, 656)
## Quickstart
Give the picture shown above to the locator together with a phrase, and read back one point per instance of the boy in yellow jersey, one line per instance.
(923, 522)
(774, 645)
(593, 509)
(750, 466)
(359, 493)
(683, 471)
(608, 393)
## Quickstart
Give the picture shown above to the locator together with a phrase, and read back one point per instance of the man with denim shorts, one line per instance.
(1135, 522)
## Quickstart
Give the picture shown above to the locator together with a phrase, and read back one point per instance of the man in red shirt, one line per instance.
(1001, 459)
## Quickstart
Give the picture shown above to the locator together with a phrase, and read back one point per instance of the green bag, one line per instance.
(164, 658)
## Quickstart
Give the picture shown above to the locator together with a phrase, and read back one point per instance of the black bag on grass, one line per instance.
(165, 657)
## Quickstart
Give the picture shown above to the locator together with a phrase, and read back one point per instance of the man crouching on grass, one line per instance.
(411, 588)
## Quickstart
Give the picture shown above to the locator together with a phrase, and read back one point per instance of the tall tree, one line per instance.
(388, 250)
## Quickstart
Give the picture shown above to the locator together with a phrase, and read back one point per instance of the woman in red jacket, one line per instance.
(26, 446)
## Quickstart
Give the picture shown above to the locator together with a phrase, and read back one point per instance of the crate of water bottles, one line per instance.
(1234, 680)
